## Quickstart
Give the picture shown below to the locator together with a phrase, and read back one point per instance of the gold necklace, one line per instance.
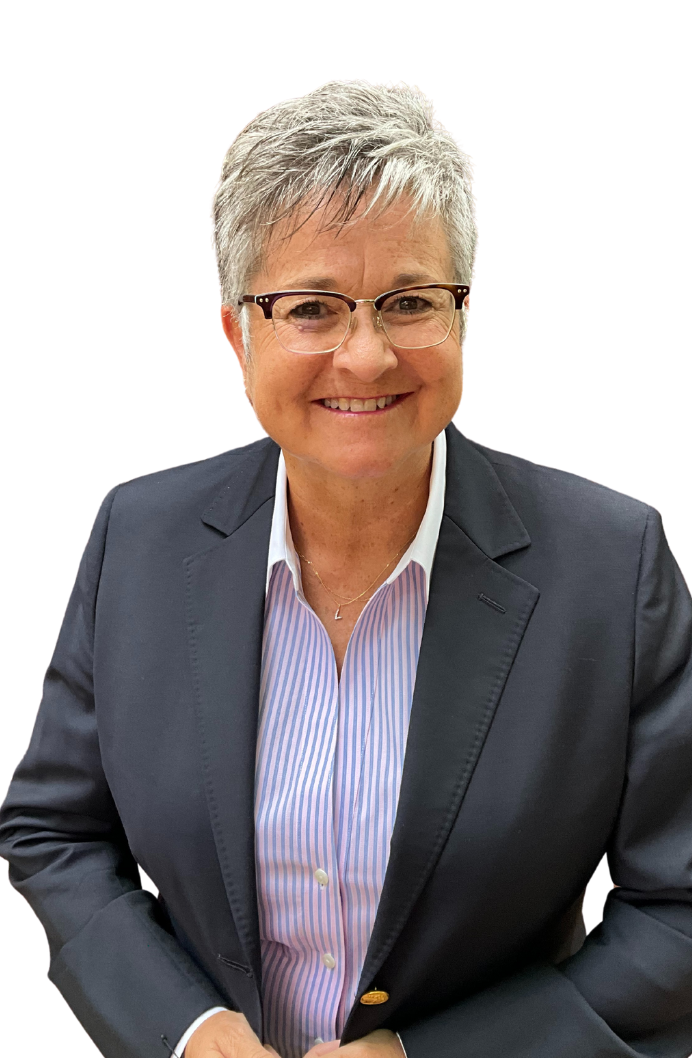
(341, 599)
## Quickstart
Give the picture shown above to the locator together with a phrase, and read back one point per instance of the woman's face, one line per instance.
(288, 390)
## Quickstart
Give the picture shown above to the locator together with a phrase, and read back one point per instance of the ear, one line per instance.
(233, 331)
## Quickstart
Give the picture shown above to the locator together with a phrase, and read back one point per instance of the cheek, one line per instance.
(442, 372)
(442, 385)
(278, 385)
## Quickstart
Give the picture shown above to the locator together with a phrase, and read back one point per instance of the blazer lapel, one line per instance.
(225, 589)
(476, 616)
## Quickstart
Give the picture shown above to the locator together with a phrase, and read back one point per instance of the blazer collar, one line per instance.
(476, 501)
(474, 497)
(251, 483)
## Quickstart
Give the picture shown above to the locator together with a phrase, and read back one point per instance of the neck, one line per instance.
(338, 521)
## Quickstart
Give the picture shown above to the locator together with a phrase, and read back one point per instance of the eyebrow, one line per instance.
(330, 283)
(314, 283)
(404, 278)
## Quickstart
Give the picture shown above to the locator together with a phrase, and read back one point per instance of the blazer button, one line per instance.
(374, 998)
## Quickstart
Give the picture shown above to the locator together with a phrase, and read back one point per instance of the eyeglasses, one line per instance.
(317, 321)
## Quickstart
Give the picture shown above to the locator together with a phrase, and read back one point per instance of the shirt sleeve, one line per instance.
(183, 1041)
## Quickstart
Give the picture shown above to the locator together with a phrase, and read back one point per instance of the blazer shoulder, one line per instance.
(190, 485)
(536, 489)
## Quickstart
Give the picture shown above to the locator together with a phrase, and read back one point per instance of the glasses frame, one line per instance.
(267, 301)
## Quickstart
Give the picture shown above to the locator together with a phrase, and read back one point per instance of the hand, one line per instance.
(320, 1049)
(378, 1044)
(226, 1035)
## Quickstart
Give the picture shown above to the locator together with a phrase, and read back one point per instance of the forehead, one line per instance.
(397, 240)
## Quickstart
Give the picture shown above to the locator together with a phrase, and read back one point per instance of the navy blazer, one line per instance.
(551, 723)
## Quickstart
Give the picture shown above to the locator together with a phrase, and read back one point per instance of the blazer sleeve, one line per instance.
(628, 991)
(132, 986)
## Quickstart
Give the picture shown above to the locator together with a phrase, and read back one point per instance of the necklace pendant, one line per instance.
(337, 615)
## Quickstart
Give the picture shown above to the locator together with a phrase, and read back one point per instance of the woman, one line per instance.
(367, 701)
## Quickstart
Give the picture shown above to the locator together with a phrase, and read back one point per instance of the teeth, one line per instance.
(356, 404)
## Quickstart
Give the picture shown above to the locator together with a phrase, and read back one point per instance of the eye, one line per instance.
(415, 304)
(309, 310)
(313, 312)
(408, 305)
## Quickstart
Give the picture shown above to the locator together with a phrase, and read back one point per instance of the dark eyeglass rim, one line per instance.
(267, 301)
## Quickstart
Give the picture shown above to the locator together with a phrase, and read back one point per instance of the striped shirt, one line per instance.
(330, 755)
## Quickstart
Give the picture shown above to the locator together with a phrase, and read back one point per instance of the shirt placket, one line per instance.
(357, 689)
(323, 904)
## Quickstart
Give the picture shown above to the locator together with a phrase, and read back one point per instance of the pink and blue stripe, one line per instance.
(330, 755)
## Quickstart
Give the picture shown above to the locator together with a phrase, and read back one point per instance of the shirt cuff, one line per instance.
(182, 1042)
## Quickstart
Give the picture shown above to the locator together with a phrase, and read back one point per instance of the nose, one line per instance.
(365, 351)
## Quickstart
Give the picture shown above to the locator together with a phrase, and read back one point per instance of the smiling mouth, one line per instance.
(361, 404)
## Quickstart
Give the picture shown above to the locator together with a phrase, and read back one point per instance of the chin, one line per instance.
(364, 462)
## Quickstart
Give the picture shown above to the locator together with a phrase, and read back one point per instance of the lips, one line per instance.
(361, 404)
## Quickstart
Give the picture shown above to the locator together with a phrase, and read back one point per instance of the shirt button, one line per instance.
(329, 961)
(321, 876)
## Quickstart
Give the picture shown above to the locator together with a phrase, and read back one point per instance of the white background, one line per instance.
(115, 121)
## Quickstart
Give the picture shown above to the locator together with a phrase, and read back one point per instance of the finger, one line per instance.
(321, 1049)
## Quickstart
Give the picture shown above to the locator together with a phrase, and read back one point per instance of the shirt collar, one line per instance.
(421, 550)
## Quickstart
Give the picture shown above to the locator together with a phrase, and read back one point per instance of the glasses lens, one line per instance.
(310, 323)
(418, 318)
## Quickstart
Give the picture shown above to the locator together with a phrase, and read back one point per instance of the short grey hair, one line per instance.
(335, 146)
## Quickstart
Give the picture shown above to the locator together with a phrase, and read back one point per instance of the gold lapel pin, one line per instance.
(374, 998)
